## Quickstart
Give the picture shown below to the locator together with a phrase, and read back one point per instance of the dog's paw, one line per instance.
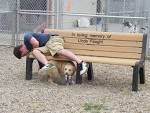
(52, 83)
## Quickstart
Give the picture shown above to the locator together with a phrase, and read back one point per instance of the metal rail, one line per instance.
(103, 16)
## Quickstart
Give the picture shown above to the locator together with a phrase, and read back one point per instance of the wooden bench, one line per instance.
(103, 47)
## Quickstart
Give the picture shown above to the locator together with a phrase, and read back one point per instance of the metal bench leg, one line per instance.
(135, 77)
(78, 76)
(142, 74)
(90, 72)
(29, 62)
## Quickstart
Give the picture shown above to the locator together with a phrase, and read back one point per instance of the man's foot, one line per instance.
(83, 68)
(40, 28)
(43, 72)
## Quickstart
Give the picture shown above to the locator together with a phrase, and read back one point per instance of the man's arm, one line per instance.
(34, 42)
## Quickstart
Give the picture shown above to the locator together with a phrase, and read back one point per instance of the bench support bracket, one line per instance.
(29, 62)
(135, 77)
(90, 72)
(138, 75)
(78, 76)
(142, 73)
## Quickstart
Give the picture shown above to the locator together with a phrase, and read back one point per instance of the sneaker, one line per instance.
(47, 67)
(84, 68)
(43, 72)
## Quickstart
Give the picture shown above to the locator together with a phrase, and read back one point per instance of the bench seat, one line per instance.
(113, 61)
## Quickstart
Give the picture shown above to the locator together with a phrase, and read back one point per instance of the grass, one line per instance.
(94, 108)
(148, 58)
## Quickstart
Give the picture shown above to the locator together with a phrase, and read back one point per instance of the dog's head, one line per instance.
(69, 69)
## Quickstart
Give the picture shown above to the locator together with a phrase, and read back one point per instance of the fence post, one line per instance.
(105, 29)
(56, 14)
(148, 35)
(17, 22)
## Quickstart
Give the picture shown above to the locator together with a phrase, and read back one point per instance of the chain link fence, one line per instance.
(31, 13)
(20, 16)
(103, 15)
(7, 22)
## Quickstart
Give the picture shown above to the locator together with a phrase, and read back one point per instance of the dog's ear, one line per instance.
(72, 63)
(74, 67)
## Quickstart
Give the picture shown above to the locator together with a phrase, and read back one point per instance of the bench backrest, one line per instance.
(104, 44)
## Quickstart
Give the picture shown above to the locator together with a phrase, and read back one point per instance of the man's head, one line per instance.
(20, 51)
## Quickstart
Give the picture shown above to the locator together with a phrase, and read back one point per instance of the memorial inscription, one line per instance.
(94, 39)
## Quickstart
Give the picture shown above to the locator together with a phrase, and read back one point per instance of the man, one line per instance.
(41, 43)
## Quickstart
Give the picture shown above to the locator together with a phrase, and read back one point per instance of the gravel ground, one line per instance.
(110, 92)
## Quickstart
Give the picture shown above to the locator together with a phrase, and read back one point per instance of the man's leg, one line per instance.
(83, 66)
(40, 57)
(70, 55)
(55, 46)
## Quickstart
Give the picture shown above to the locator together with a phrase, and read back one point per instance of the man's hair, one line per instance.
(17, 51)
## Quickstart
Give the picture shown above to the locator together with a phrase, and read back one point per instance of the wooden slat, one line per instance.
(118, 61)
(109, 60)
(103, 42)
(102, 48)
(102, 54)
(106, 54)
(98, 35)
(115, 61)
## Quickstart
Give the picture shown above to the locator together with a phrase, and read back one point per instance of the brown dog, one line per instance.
(61, 73)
